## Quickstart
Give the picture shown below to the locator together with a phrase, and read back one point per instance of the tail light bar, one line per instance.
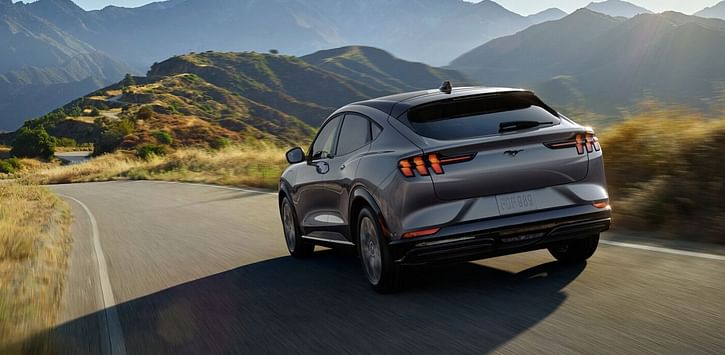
(583, 141)
(431, 162)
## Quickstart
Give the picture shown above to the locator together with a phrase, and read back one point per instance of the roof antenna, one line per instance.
(446, 87)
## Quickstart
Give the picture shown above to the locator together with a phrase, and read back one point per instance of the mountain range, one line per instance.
(200, 97)
(617, 8)
(716, 11)
(56, 50)
(606, 64)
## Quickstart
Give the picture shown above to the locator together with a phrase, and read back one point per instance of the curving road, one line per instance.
(177, 268)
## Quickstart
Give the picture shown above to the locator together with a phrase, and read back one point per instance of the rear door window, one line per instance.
(479, 116)
(355, 134)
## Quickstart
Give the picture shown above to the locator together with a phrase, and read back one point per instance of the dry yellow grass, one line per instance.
(666, 173)
(34, 245)
(258, 165)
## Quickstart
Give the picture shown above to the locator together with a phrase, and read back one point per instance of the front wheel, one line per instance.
(381, 271)
(576, 250)
(297, 246)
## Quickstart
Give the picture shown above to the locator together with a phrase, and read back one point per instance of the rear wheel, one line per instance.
(297, 246)
(576, 250)
(381, 271)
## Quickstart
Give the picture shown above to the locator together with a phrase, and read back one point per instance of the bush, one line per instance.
(9, 166)
(66, 142)
(6, 168)
(33, 143)
(144, 113)
(111, 134)
(148, 151)
(163, 137)
(220, 143)
(95, 112)
(75, 111)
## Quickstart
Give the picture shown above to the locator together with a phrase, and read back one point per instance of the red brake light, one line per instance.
(579, 144)
(420, 166)
(435, 164)
(583, 142)
(405, 168)
(433, 161)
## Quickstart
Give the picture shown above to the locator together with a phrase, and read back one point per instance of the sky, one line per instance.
(524, 7)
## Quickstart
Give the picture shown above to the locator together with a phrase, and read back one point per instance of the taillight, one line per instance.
(583, 142)
(405, 168)
(433, 161)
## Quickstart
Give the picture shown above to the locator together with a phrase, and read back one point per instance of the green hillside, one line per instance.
(199, 99)
(379, 69)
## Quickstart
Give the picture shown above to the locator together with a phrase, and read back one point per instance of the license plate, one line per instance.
(516, 203)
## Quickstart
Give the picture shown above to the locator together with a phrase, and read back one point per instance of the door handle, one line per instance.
(342, 167)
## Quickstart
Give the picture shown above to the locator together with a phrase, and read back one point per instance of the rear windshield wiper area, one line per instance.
(519, 125)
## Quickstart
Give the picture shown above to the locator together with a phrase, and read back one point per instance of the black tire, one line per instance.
(385, 278)
(297, 247)
(576, 250)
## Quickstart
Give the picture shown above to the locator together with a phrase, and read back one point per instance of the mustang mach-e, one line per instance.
(454, 174)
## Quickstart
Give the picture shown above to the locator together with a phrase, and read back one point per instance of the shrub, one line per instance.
(6, 168)
(148, 151)
(33, 143)
(75, 111)
(66, 142)
(111, 134)
(220, 143)
(144, 113)
(9, 166)
(95, 112)
(163, 137)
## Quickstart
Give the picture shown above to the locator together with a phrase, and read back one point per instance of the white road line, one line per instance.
(664, 250)
(115, 332)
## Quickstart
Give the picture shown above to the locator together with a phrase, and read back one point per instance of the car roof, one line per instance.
(396, 104)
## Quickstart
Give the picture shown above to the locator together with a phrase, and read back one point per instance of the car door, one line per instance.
(312, 199)
(354, 141)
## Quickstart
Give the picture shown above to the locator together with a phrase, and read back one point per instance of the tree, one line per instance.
(128, 80)
(33, 143)
(274, 51)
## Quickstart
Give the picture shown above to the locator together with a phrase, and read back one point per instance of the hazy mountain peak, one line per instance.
(551, 14)
(617, 8)
(716, 11)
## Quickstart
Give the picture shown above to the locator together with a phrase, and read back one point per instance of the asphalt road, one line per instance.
(73, 157)
(177, 268)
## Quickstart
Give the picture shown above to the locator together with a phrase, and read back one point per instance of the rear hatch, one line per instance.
(496, 144)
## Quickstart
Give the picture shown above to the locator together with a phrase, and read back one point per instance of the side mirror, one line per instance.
(295, 155)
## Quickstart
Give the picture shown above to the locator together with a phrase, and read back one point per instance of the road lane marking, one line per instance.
(664, 250)
(115, 332)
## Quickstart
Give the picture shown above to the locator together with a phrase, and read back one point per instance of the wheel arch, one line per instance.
(359, 199)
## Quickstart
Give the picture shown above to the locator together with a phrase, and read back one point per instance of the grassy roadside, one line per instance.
(666, 174)
(259, 165)
(35, 242)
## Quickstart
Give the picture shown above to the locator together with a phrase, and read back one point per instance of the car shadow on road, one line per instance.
(323, 305)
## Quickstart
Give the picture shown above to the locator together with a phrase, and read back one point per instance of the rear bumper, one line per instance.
(503, 236)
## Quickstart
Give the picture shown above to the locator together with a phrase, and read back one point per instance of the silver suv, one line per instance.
(446, 175)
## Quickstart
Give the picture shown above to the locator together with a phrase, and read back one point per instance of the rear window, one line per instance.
(478, 116)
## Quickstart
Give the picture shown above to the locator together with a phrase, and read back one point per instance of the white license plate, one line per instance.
(516, 203)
